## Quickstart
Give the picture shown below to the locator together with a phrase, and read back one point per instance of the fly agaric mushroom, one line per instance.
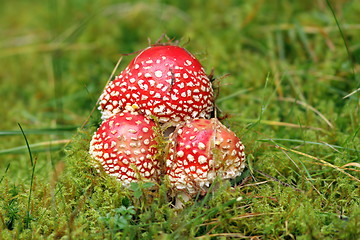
(164, 81)
(125, 146)
(201, 150)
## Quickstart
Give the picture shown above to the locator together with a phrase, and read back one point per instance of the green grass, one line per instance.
(291, 96)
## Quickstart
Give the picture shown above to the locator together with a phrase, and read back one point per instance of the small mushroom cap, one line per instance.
(164, 81)
(201, 150)
(125, 147)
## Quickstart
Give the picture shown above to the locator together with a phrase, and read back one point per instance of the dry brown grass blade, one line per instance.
(111, 76)
(248, 215)
(45, 47)
(352, 93)
(229, 235)
(305, 105)
(351, 169)
(253, 13)
(343, 167)
(308, 29)
(254, 184)
(281, 124)
(277, 180)
(312, 185)
(320, 160)
(233, 235)
(61, 141)
(292, 125)
(353, 164)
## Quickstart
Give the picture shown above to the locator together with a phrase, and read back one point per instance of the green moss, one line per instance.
(289, 72)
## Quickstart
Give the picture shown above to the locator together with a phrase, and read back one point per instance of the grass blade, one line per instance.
(27, 144)
(44, 131)
(21, 149)
(351, 58)
(28, 217)
(342, 35)
(319, 160)
(306, 142)
(7, 168)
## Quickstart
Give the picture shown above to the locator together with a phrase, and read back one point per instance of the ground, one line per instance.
(287, 80)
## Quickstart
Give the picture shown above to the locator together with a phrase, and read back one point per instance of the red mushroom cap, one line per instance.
(164, 81)
(201, 150)
(125, 146)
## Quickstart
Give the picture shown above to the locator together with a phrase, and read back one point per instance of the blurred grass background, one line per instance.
(290, 65)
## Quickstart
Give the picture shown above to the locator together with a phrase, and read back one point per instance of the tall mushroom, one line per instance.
(164, 81)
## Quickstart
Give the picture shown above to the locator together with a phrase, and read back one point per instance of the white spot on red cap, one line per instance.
(180, 153)
(202, 159)
(158, 73)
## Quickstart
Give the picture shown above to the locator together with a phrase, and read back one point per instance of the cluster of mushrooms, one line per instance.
(165, 89)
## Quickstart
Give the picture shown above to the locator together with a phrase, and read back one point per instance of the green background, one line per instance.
(286, 74)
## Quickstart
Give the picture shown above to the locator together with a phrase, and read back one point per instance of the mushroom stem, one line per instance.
(180, 200)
